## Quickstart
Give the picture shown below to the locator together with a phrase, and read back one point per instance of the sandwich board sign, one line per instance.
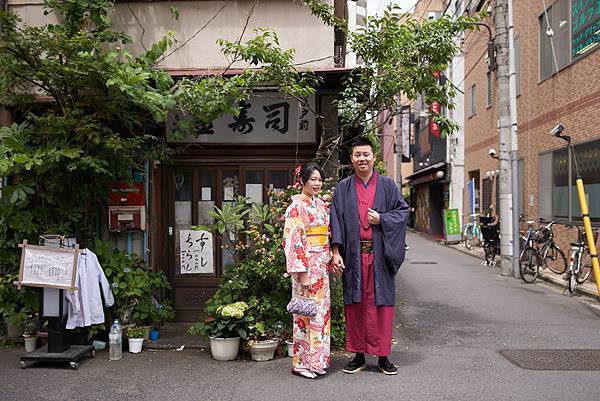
(43, 266)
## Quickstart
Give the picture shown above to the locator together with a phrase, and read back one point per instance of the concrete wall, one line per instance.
(296, 27)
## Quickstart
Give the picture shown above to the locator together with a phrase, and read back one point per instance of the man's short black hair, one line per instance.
(362, 141)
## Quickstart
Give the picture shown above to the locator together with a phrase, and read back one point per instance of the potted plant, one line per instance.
(224, 326)
(30, 329)
(135, 336)
(262, 343)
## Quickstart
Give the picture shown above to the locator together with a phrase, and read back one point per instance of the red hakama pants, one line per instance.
(369, 327)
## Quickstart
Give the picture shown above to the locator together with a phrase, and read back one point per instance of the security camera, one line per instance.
(557, 131)
(492, 153)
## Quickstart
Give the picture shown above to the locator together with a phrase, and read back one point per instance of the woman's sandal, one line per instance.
(304, 373)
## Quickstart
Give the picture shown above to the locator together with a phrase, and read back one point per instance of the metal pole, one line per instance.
(514, 154)
(589, 234)
(504, 127)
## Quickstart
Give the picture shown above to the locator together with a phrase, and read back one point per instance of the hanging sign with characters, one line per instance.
(43, 266)
(196, 251)
(267, 117)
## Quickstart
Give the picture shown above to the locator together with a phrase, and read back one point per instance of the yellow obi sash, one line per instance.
(317, 236)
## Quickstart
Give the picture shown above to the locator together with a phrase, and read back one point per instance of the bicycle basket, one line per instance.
(542, 235)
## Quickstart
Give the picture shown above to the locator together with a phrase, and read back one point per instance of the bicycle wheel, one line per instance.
(469, 237)
(529, 267)
(585, 268)
(555, 259)
(572, 282)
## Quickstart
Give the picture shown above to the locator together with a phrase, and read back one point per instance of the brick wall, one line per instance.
(570, 97)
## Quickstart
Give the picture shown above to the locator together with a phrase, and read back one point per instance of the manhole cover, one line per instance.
(423, 263)
(554, 359)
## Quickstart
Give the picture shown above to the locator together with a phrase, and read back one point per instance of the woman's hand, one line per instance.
(337, 264)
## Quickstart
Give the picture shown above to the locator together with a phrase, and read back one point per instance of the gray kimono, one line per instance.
(388, 238)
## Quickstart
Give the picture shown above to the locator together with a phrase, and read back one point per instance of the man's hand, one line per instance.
(337, 264)
(373, 217)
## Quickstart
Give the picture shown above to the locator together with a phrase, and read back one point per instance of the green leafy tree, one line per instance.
(89, 111)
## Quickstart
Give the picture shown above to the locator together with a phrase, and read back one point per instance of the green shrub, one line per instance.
(134, 287)
(16, 305)
(224, 321)
(135, 332)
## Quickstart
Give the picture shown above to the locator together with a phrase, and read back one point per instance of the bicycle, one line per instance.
(490, 230)
(549, 256)
(472, 233)
(580, 261)
(529, 259)
(553, 257)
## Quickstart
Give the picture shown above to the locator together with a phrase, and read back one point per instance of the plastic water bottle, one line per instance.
(115, 341)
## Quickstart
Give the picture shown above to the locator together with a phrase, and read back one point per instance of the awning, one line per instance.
(236, 71)
(435, 172)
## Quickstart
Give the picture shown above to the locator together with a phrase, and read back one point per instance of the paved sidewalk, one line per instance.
(587, 289)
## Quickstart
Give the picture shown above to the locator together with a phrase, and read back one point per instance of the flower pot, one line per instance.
(263, 350)
(154, 335)
(135, 345)
(147, 330)
(224, 349)
(30, 343)
(290, 348)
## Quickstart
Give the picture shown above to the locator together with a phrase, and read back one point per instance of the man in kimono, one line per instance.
(368, 229)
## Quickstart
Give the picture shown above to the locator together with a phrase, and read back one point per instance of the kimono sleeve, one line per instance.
(336, 220)
(294, 240)
(393, 224)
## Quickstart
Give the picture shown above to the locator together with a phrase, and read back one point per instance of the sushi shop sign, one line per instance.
(266, 118)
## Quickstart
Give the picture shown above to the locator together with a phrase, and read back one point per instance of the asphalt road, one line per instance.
(453, 318)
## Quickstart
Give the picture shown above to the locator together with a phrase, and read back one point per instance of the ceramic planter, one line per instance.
(30, 342)
(224, 349)
(147, 330)
(263, 350)
(135, 345)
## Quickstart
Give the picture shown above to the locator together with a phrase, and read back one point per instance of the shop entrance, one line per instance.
(192, 191)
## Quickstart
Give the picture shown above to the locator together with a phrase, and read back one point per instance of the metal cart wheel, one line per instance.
(74, 365)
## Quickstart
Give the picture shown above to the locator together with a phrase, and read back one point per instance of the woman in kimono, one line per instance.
(306, 245)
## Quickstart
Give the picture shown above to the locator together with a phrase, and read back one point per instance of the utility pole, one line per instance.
(504, 131)
(514, 157)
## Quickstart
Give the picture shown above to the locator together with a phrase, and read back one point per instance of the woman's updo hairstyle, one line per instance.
(308, 169)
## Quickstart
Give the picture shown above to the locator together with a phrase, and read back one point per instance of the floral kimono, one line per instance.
(306, 245)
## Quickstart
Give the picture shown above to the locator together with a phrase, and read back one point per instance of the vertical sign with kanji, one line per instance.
(196, 252)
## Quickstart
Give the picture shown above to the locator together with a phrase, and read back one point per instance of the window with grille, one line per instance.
(557, 193)
(488, 102)
(517, 44)
(554, 39)
(486, 195)
(471, 105)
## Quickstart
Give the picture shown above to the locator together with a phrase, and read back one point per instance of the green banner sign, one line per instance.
(452, 225)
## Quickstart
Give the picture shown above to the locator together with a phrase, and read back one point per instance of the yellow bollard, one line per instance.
(588, 231)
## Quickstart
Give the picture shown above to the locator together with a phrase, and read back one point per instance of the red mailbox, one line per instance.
(126, 194)
(125, 218)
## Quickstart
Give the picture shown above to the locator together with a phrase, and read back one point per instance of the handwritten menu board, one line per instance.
(48, 267)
